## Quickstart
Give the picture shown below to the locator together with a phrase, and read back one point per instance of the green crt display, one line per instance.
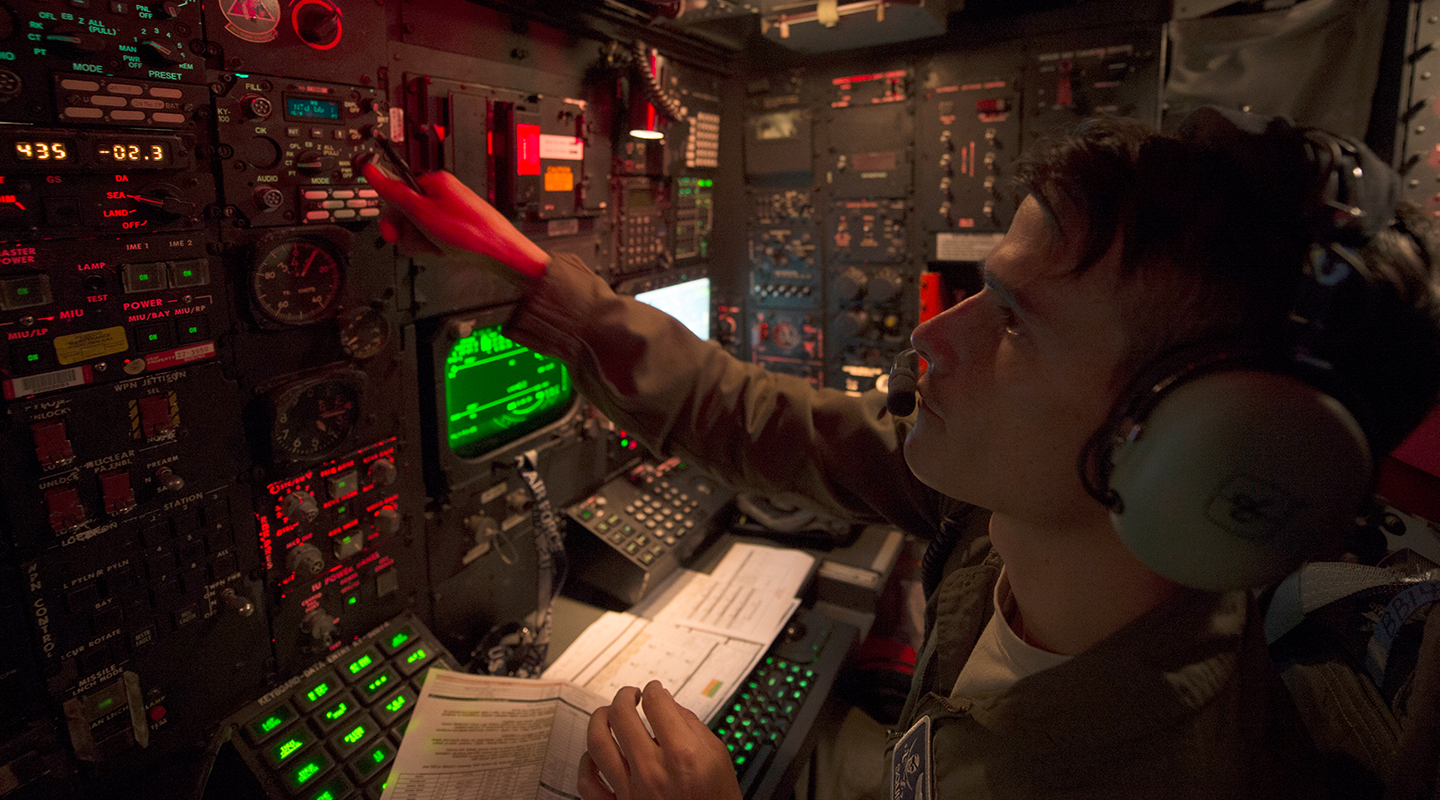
(497, 391)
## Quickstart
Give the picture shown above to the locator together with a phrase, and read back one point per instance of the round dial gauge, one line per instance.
(314, 418)
(297, 282)
(363, 333)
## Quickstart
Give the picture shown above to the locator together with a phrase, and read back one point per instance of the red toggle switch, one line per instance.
(52, 445)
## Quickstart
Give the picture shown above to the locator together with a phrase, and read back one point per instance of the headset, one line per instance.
(1224, 464)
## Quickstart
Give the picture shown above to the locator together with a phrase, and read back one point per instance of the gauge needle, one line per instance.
(309, 261)
(142, 199)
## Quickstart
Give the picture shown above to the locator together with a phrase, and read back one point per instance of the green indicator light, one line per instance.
(106, 703)
(360, 663)
(396, 704)
(418, 655)
(271, 723)
(22, 291)
(352, 600)
(192, 329)
(154, 337)
(288, 748)
(378, 755)
(400, 639)
(318, 692)
(338, 711)
(144, 276)
(242, 74)
(340, 509)
(307, 772)
(376, 685)
(33, 357)
(189, 273)
(356, 735)
(325, 795)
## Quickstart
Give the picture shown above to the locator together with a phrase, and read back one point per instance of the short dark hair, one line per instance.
(1215, 239)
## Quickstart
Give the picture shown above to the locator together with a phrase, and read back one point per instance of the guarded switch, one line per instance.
(66, 512)
(52, 443)
(155, 416)
(116, 490)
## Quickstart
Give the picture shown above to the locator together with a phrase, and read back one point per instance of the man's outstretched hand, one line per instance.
(682, 761)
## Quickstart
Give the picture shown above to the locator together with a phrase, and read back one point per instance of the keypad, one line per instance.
(335, 733)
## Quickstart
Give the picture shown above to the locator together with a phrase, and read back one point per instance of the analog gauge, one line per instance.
(297, 282)
(363, 333)
(314, 418)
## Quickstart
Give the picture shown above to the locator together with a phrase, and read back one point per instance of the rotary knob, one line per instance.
(317, 23)
(387, 521)
(883, 286)
(382, 472)
(849, 284)
(305, 559)
(300, 506)
(321, 625)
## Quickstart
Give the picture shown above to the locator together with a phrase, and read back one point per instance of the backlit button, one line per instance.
(396, 640)
(368, 193)
(315, 194)
(168, 117)
(145, 277)
(126, 115)
(378, 684)
(344, 213)
(342, 194)
(356, 665)
(338, 710)
(147, 102)
(26, 291)
(75, 85)
(190, 272)
(415, 658)
(394, 706)
(371, 759)
(307, 770)
(76, 112)
(356, 203)
(352, 735)
(289, 746)
(269, 723)
(123, 88)
(317, 691)
(369, 212)
(332, 204)
(165, 91)
(154, 337)
(317, 215)
(107, 100)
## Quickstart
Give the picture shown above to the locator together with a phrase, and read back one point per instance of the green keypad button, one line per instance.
(317, 690)
(306, 771)
(335, 712)
(335, 788)
(377, 684)
(356, 665)
(416, 657)
(288, 746)
(371, 759)
(393, 641)
(394, 706)
(268, 724)
(352, 735)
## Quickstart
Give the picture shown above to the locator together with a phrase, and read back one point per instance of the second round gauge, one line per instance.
(297, 282)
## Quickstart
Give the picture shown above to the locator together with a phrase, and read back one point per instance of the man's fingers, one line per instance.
(592, 785)
(602, 750)
(668, 719)
(630, 732)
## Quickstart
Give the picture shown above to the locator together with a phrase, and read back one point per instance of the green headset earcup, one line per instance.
(1236, 477)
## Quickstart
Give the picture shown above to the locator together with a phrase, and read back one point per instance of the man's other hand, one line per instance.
(682, 761)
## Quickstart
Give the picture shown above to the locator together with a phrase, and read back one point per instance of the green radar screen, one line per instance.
(497, 391)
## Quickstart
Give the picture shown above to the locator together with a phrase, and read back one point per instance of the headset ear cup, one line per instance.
(1236, 477)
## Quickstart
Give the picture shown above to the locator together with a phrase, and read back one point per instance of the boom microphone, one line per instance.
(900, 397)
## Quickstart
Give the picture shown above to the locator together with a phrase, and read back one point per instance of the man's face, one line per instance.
(1020, 376)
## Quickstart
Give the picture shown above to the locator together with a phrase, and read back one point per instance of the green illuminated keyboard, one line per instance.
(768, 720)
(332, 732)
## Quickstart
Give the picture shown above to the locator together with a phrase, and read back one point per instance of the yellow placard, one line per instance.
(91, 344)
(559, 179)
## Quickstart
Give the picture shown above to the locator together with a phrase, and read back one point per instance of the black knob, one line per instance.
(164, 52)
(317, 22)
